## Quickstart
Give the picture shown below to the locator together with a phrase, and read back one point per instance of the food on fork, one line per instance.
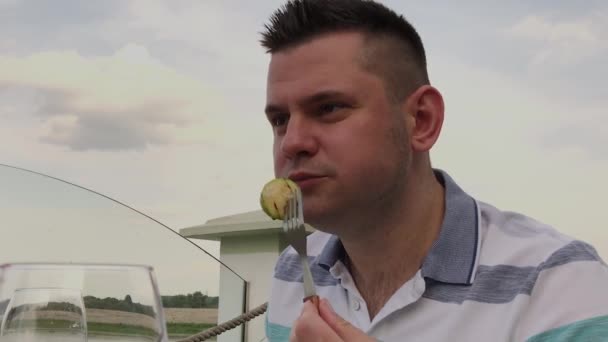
(275, 195)
(275, 198)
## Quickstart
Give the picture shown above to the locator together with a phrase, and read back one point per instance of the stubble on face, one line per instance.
(371, 165)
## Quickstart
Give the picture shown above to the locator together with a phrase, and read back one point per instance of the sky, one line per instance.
(159, 104)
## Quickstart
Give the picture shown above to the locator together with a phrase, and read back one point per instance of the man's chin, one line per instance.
(314, 219)
(324, 213)
(323, 223)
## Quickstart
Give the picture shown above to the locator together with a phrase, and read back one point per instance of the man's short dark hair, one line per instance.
(393, 48)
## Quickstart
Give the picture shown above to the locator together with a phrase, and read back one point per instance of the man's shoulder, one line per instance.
(563, 278)
(513, 238)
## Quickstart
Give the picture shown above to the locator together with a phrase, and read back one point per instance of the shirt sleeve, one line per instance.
(569, 301)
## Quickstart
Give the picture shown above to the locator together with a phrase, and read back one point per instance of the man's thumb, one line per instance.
(342, 327)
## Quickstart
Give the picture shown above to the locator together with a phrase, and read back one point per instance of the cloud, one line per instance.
(587, 134)
(225, 32)
(123, 101)
(194, 22)
(562, 42)
(567, 61)
(7, 3)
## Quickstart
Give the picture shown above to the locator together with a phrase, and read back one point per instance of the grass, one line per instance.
(118, 329)
(177, 329)
(173, 329)
(52, 325)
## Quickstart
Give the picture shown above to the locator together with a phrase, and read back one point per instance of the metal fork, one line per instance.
(295, 233)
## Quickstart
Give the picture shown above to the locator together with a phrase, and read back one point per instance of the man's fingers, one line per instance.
(342, 327)
(329, 315)
(311, 327)
(309, 308)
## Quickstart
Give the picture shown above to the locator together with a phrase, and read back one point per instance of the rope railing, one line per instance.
(228, 325)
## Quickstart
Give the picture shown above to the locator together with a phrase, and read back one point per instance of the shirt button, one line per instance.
(356, 305)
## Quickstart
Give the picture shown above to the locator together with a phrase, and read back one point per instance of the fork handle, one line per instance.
(314, 299)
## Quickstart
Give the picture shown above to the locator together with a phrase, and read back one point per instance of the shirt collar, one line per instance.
(453, 256)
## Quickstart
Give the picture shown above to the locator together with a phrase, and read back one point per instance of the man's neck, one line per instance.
(383, 257)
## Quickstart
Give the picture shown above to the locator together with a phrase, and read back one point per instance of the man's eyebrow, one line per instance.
(314, 98)
(322, 96)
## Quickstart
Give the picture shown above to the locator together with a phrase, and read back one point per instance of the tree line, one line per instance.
(110, 303)
(191, 300)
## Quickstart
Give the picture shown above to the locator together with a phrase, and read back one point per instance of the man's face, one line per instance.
(335, 131)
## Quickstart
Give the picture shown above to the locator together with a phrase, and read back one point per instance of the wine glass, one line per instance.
(80, 302)
(44, 314)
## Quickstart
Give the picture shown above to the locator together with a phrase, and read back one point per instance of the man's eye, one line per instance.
(279, 120)
(330, 107)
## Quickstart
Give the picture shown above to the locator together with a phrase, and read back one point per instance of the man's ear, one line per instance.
(426, 111)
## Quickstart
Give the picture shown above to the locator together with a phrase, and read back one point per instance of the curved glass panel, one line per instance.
(43, 219)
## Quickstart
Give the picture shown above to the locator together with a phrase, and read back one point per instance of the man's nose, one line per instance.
(299, 138)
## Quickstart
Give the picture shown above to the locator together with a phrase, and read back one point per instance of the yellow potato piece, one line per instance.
(275, 195)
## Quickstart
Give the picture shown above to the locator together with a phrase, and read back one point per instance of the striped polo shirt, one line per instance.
(491, 275)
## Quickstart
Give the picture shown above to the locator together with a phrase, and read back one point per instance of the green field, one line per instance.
(173, 329)
(186, 329)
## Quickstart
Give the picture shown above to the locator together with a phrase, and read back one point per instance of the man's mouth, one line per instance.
(305, 179)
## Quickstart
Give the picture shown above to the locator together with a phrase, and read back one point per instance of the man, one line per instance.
(401, 252)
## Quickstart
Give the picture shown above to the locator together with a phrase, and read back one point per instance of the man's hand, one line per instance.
(324, 325)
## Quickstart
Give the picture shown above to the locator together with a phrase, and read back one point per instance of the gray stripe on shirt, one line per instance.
(493, 284)
(289, 269)
(502, 283)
